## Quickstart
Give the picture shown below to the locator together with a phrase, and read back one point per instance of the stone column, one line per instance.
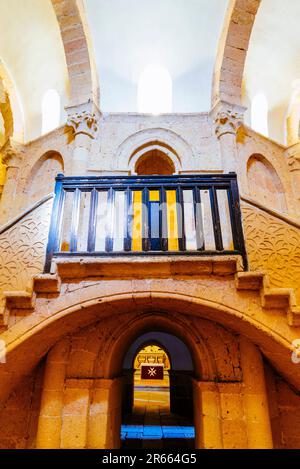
(207, 416)
(255, 397)
(105, 414)
(234, 426)
(84, 123)
(12, 158)
(50, 418)
(227, 123)
(76, 406)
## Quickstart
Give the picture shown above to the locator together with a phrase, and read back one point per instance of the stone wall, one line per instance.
(19, 416)
(284, 407)
(189, 140)
(23, 249)
(273, 247)
(88, 393)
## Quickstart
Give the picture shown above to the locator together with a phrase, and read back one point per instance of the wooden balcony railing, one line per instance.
(140, 215)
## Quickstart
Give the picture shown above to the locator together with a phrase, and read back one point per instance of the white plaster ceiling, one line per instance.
(181, 35)
(32, 51)
(273, 60)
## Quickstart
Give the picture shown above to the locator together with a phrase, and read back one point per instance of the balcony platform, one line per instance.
(149, 266)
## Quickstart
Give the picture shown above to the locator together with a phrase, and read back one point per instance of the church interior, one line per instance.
(149, 224)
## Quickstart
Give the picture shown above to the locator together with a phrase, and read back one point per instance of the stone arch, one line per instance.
(31, 339)
(153, 338)
(232, 50)
(40, 180)
(177, 381)
(82, 358)
(166, 140)
(121, 334)
(78, 51)
(201, 356)
(143, 345)
(152, 160)
(264, 183)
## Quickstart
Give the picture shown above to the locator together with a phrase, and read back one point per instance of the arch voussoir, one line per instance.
(78, 51)
(77, 307)
(232, 51)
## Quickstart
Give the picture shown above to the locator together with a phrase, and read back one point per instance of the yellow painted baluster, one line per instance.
(154, 196)
(137, 244)
(172, 221)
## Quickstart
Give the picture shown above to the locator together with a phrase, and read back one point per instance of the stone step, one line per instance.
(278, 298)
(282, 299)
(293, 316)
(249, 280)
(19, 300)
(46, 283)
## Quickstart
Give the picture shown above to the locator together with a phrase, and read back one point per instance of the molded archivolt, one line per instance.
(232, 51)
(40, 181)
(153, 160)
(78, 50)
(176, 350)
(100, 349)
(167, 141)
(172, 307)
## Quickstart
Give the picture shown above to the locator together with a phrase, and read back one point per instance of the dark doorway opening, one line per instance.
(157, 409)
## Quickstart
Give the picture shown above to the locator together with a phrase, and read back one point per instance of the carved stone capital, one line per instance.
(227, 122)
(84, 122)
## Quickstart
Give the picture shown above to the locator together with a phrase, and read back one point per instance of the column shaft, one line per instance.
(255, 397)
(105, 414)
(207, 415)
(50, 419)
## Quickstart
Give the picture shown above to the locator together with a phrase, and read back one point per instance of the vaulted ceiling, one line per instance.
(32, 52)
(273, 59)
(42, 49)
(180, 35)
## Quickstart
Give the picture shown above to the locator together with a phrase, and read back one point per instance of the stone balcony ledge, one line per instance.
(150, 266)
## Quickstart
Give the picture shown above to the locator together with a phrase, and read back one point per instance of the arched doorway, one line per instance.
(155, 162)
(157, 409)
